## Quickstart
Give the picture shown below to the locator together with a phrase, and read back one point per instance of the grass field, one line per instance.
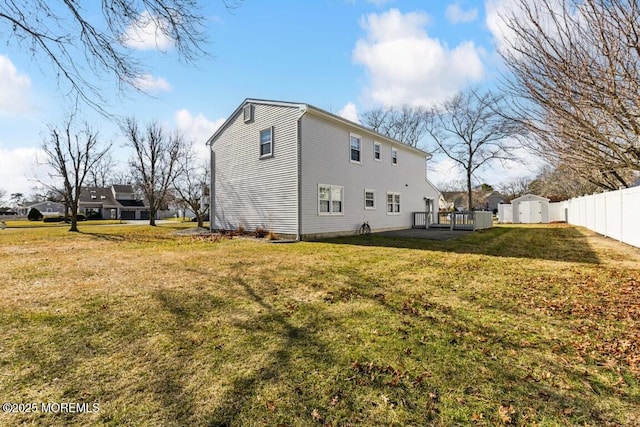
(535, 325)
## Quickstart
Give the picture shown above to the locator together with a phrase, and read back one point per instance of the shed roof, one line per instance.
(529, 197)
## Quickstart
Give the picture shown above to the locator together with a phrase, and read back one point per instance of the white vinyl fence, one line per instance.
(615, 214)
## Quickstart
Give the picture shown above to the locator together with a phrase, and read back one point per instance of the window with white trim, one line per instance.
(369, 199)
(266, 142)
(330, 199)
(376, 151)
(355, 145)
(393, 203)
(394, 156)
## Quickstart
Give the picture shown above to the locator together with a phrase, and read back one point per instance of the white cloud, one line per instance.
(151, 84)
(349, 112)
(497, 10)
(14, 88)
(146, 33)
(406, 66)
(197, 129)
(19, 171)
(455, 14)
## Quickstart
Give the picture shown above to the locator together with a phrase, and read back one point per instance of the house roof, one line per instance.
(105, 197)
(118, 188)
(308, 108)
(42, 205)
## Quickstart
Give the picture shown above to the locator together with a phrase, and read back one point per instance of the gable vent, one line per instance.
(247, 112)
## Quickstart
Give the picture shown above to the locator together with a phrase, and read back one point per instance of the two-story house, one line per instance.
(114, 202)
(303, 172)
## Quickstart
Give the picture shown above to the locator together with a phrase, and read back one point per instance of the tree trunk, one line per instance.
(469, 194)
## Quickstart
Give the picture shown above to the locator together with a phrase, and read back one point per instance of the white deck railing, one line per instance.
(475, 220)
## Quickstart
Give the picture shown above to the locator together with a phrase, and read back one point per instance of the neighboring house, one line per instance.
(453, 200)
(115, 202)
(482, 200)
(47, 208)
(493, 200)
(303, 172)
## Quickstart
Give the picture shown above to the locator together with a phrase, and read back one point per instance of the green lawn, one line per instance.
(536, 325)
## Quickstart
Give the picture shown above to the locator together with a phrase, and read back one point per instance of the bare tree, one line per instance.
(70, 155)
(84, 45)
(560, 182)
(17, 199)
(102, 171)
(515, 188)
(473, 129)
(155, 161)
(2, 194)
(405, 124)
(574, 65)
(192, 187)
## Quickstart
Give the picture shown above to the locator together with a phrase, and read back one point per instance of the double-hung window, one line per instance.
(376, 151)
(393, 203)
(266, 142)
(394, 156)
(369, 199)
(330, 199)
(355, 146)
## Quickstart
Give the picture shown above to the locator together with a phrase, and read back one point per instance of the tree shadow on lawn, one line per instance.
(475, 348)
(286, 345)
(554, 243)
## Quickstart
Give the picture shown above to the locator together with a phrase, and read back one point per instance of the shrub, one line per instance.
(272, 236)
(34, 215)
(94, 215)
(53, 218)
(261, 232)
(240, 230)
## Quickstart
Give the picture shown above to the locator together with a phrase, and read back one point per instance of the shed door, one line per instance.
(530, 212)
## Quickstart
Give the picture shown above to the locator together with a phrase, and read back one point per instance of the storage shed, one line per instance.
(530, 209)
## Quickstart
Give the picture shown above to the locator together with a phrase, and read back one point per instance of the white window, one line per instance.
(355, 148)
(330, 199)
(266, 142)
(376, 151)
(369, 199)
(393, 203)
(394, 156)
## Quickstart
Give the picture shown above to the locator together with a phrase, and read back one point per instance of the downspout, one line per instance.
(212, 188)
(303, 110)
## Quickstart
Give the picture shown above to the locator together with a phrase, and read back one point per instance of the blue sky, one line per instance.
(344, 56)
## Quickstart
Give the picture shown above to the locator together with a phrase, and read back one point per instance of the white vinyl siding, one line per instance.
(249, 191)
(325, 158)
